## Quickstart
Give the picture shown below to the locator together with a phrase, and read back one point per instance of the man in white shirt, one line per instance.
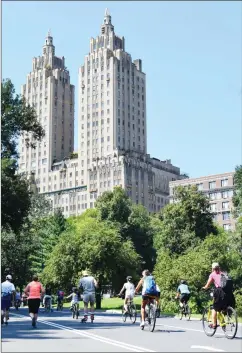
(88, 284)
(129, 289)
(7, 291)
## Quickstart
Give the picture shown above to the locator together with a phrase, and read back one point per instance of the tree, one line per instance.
(184, 223)
(237, 198)
(91, 244)
(17, 117)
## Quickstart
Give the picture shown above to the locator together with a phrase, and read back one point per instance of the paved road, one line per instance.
(58, 332)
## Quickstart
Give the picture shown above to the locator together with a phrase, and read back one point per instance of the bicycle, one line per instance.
(150, 313)
(47, 305)
(59, 305)
(158, 309)
(228, 321)
(75, 310)
(184, 310)
(131, 311)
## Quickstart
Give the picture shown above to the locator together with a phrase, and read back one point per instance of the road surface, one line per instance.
(58, 332)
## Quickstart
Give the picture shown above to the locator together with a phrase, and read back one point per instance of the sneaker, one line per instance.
(142, 324)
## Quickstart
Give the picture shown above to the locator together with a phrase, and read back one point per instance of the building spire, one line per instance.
(49, 33)
(107, 17)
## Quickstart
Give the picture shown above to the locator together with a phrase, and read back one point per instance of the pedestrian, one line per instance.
(88, 285)
(7, 291)
(34, 290)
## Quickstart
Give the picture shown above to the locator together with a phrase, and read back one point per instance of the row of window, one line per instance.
(212, 184)
(214, 206)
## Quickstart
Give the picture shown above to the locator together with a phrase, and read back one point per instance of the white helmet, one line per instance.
(215, 265)
(9, 277)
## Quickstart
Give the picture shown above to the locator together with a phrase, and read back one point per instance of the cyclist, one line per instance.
(88, 285)
(220, 299)
(7, 291)
(148, 292)
(183, 293)
(48, 294)
(60, 297)
(74, 297)
(18, 296)
(129, 289)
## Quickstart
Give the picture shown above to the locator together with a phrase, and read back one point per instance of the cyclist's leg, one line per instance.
(143, 305)
(125, 303)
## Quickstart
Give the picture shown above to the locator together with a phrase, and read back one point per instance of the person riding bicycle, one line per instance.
(88, 285)
(222, 298)
(60, 297)
(148, 292)
(48, 295)
(183, 293)
(129, 289)
(74, 298)
(18, 296)
(7, 292)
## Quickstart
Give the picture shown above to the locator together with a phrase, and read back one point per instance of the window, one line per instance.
(213, 207)
(212, 184)
(212, 195)
(226, 216)
(225, 205)
(200, 186)
(225, 194)
(224, 182)
(227, 226)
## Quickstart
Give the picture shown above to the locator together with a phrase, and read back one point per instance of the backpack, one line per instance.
(226, 283)
(150, 286)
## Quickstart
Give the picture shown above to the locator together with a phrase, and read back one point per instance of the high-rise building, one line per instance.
(49, 91)
(112, 136)
(219, 188)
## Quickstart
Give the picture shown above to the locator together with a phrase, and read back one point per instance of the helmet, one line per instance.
(215, 265)
(183, 281)
(129, 278)
(9, 277)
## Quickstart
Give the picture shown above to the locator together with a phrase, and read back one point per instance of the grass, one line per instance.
(117, 303)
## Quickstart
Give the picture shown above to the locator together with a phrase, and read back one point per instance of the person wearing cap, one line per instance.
(7, 290)
(88, 285)
(129, 289)
(219, 300)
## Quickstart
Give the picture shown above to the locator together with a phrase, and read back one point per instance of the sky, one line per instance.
(191, 54)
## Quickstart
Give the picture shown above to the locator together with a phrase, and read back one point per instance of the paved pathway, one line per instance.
(58, 332)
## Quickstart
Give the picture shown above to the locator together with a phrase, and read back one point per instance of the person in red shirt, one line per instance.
(34, 290)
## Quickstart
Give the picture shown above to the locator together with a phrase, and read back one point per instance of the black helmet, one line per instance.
(129, 278)
(183, 281)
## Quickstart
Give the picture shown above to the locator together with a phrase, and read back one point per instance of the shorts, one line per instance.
(89, 298)
(220, 300)
(6, 303)
(146, 298)
(33, 305)
(184, 297)
(129, 296)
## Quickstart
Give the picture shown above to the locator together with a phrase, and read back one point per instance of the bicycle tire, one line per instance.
(133, 313)
(73, 311)
(158, 312)
(236, 323)
(180, 312)
(123, 315)
(204, 320)
(188, 312)
(151, 317)
(77, 313)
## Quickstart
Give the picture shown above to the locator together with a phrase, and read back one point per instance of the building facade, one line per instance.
(112, 134)
(219, 189)
(49, 91)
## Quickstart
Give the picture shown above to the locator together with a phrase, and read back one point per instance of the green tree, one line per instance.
(184, 223)
(237, 198)
(91, 244)
(17, 117)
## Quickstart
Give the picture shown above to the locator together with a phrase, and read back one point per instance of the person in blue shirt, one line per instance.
(183, 293)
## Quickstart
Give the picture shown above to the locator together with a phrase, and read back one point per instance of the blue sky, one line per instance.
(191, 54)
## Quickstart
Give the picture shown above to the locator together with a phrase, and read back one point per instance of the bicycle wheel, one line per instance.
(73, 311)
(188, 312)
(158, 311)
(133, 314)
(207, 321)
(77, 313)
(152, 317)
(123, 314)
(180, 312)
(231, 321)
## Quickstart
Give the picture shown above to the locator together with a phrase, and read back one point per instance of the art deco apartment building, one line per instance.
(112, 134)
(219, 189)
(49, 90)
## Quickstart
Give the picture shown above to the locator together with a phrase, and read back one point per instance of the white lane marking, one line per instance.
(119, 344)
(208, 348)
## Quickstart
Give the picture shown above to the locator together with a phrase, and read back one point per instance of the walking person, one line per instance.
(7, 291)
(34, 290)
(88, 284)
